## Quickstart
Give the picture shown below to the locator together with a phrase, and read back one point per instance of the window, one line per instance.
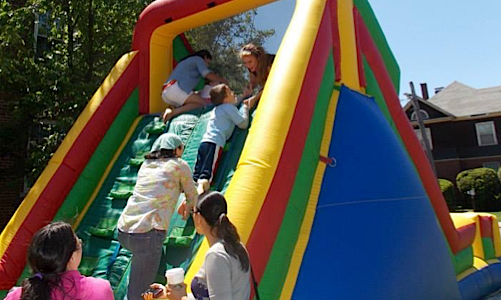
(486, 133)
(424, 115)
(491, 165)
(428, 135)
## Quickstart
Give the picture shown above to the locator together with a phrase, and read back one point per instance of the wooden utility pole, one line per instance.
(422, 129)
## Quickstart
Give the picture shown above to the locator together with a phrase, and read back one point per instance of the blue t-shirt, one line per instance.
(221, 124)
(188, 73)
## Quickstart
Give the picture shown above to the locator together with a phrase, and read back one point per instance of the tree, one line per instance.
(49, 80)
(447, 189)
(483, 185)
(224, 39)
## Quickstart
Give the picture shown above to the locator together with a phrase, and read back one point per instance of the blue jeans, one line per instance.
(146, 251)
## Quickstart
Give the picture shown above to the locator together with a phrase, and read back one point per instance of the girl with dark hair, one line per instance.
(177, 91)
(54, 255)
(225, 273)
(258, 63)
(143, 224)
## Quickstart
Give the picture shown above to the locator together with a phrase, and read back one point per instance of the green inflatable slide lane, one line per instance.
(102, 255)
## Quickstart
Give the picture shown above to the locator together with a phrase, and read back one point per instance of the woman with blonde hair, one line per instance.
(258, 62)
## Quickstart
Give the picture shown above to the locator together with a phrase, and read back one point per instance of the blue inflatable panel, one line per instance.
(375, 234)
(481, 283)
(495, 271)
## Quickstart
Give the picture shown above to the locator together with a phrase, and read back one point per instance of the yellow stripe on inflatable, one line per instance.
(465, 273)
(263, 147)
(106, 172)
(461, 219)
(304, 235)
(29, 201)
(161, 42)
(478, 246)
(349, 61)
(479, 263)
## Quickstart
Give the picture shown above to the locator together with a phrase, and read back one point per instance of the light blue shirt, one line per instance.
(188, 73)
(222, 122)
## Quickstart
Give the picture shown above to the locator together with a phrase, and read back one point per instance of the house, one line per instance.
(463, 126)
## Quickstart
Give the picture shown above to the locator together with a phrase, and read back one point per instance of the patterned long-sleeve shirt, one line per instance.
(159, 184)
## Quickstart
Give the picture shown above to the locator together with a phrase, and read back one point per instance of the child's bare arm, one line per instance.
(245, 114)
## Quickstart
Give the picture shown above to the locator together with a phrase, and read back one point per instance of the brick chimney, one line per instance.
(424, 91)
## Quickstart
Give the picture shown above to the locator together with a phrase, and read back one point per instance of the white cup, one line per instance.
(175, 276)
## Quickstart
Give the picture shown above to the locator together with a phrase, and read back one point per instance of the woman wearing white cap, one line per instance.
(144, 222)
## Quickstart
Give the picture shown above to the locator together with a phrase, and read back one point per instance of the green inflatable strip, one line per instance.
(488, 248)
(377, 34)
(105, 228)
(181, 236)
(278, 264)
(374, 91)
(88, 265)
(95, 168)
(122, 190)
(463, 260)
(180, 49)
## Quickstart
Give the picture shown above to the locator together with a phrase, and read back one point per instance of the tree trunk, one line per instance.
(90, 42)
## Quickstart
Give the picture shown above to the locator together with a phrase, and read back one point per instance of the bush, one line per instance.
(447, 189)
(486, 185)
(499, 173)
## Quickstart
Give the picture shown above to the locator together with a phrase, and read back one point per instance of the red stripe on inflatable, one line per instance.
(153, 16)
(268, 223)
(336, 42)
(186, 43)
(61, 183)
(486, 226)
(410, 140)
(361, 72)
(466, 236)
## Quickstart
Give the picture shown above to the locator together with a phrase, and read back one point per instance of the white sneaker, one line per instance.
(203, 186)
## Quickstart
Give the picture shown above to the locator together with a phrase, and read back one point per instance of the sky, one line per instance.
(434, 42)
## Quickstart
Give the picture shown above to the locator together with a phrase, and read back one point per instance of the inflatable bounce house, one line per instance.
(330, 188)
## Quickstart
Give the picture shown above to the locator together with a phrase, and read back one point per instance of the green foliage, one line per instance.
(486, 185)
(224, 39)
(49, 81)
(499, 173)
(447, 189)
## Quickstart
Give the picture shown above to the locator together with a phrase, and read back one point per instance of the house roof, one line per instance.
(462, 100)
(423, 103)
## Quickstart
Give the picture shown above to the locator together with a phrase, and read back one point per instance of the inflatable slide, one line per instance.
(330, 189)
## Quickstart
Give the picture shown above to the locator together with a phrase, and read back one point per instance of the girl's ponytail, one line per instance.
(212, 206)
(227, 232)
(37, 287)
(48, 254)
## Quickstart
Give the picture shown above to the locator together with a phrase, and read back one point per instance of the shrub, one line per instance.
(447, 189)
(499, 173)
(486, 185)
